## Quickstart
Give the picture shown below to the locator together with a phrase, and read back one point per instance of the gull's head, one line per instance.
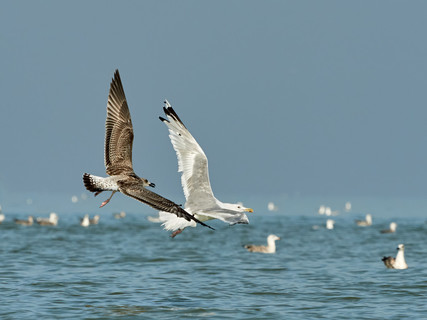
(272, 237)
(400, 247)
(369, 218)
(238, 207)
(393, 226)
(53, 216)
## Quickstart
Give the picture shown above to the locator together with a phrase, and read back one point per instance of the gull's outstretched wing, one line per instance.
(192, 162)
(118, 130)
(156, 201)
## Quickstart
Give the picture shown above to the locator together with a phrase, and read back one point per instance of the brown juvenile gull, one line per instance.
(365, 223)
(270, 248)
(119, 215)
(193, 164)
(95, 219)
(398, 262)
(51, 221)
(27, 222)
(392, 229)
(118, 159)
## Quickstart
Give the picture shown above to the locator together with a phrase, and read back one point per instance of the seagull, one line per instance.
(51, 221)
(398, 262)
(330, 224)
(119, 215)
(95, 219)
(2, 217)
(270, 248)
(28, 222)
(393, 226)
(193, 164)
(118, 159)
(84, 222)
(365, 223)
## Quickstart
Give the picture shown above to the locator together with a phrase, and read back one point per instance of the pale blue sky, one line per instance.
(309, 97)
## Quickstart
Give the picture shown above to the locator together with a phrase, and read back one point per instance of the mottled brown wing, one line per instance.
(156, 201)
(118, 130)
(389, 262)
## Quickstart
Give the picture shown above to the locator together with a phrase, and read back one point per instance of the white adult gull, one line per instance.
(193, 164)
(398, 262)
(118, 159)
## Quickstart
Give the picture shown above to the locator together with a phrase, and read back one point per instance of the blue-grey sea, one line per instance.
(131, 269)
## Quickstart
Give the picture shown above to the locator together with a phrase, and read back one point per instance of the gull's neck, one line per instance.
(271, 247)
(400, 260)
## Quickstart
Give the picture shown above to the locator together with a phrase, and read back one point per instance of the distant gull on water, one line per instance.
(330, 224)
(2, 217)
(84, 222)
(119, 215)
(118, 159)
(95, 219)
(398, 262)
(51, 221)
(27, 222)
(193, 164)
(270, 248)
(392, 229)
(365, 223)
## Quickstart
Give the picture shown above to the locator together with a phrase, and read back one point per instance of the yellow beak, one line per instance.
(249, 210)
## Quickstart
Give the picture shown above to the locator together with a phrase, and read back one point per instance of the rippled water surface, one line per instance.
(130, 268)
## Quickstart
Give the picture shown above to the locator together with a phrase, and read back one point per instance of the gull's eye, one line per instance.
(238, 207)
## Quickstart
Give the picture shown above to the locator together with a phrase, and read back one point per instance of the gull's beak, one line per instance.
(249, 210)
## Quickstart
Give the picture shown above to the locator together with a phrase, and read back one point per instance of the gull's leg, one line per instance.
(108, 200)
(176, 233)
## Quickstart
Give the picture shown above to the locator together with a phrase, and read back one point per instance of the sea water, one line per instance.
(131, 269)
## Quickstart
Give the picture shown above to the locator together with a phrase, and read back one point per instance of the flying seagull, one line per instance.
(193, 164)
(118, 159)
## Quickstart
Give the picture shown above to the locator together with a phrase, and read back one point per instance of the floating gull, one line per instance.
(118, 159)
(51, 221)
(322, 209)
(398, 262)
(84, 222)
(270, 248)
(272, 207)
(2, 217)
(119, 215)
(365, 223)
(27, 222)
(95, 219)
(330, 224)
(193, 164)
(393, 226)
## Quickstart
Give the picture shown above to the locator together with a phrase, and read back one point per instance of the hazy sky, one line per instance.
(309, 97)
